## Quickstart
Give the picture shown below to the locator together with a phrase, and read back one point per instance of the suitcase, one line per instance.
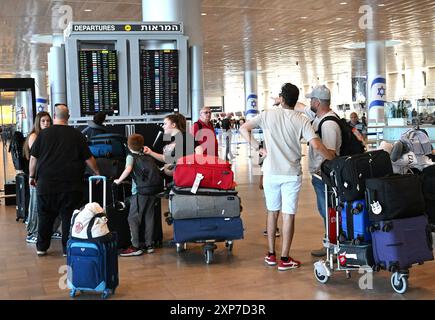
(395, 197)
(351, 255)
(219, 229)
(206, 203)
(217, 173)
(22, 196)
(398, 244)
(349, 173)
(108, 145)
(332, 220)
(117, 214)
(355, 221)
(11, 192)
(93, 266)
(428, 186)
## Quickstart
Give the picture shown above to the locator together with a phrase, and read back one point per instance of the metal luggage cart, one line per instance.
(208, 247)
(323, 269)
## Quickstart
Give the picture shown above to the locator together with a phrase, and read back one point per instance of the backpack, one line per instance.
(417, 141)
(350, 143)
(146, 175)
(16, 150)
(108, 145)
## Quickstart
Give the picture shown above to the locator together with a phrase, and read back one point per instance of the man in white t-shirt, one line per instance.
(331, 137)
(283, 129)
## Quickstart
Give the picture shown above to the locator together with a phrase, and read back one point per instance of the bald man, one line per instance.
(57, 165)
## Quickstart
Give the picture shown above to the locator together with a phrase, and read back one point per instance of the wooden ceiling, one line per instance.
(299, 41)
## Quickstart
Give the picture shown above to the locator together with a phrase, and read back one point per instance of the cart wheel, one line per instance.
(342, 237)
(180, 247)
(72, 293)
(208, 256)
(321, 278)
(348, 275)
(357, 241)
(105, 294)
(399, 282)
(229, 245)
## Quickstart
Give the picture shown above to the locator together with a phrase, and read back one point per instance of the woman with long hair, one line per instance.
(42, 121)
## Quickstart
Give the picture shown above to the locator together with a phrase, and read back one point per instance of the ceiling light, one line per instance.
(343, 3)
(203, 14)
(362, 45)
(88, 10)
(272, 29)
(304, 17)
(275, 39)
(381, 5)
(338, 19)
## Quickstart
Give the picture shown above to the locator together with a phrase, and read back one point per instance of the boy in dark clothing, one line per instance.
(95, 126)
(141, 205)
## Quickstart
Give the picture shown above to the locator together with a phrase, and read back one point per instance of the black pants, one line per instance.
(49, 207)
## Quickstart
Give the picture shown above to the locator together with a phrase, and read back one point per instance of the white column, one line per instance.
(56, 72)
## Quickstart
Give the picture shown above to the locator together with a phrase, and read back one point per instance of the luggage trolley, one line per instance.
(323, 268)
(208, 247)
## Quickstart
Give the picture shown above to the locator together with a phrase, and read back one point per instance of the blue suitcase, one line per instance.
(398, 244)
(355, 221)
(93, 266)
(110, 145)
(219, 229)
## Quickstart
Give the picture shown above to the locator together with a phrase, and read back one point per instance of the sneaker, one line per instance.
(149, 249)
(41, 253)
(287, 265)
(31, 239)
(56, 235)
(319, 253)
(277, 233)
(270, 259)
(131, 251)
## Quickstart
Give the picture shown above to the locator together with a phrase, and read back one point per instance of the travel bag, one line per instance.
(213, 172)
(428, 186)
(22, 196)
(395, 197)
(219, 229)
(398, 244)
(351, 255)
(206, 203)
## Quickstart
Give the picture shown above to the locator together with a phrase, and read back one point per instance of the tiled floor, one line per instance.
(169, 275)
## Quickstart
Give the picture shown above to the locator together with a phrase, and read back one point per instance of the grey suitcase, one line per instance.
(206, 203)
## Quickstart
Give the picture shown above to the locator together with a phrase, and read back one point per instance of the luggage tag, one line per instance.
(376, 207)
(195, 186)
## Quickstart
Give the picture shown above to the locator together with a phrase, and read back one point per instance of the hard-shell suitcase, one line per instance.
(93, 264)
(355, 221)
(22, 196)
(398, 244)
(219, 229)
(349, 173)
(216, 173)
(206, 203)
(351, 255)
(395, 197)
(332, 220)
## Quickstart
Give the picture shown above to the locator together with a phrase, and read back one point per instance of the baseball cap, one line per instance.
(320, 92)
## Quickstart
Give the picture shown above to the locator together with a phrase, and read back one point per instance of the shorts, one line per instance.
(282, 192)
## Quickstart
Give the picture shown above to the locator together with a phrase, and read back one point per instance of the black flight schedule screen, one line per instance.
(99, 88)
(159, 81)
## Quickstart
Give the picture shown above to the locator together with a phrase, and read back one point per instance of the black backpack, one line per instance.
(146, 175)
(16, 150)
(350, 144)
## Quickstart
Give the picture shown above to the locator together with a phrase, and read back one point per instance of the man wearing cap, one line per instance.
(283, 129)
(331, 137)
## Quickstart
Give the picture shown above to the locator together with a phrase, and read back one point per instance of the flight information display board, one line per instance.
(159, 81)
(98, 78)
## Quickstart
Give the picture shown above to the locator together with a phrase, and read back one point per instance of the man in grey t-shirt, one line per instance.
(331, 137)
(283, 130)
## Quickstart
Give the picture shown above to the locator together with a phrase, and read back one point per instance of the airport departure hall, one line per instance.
(217, 150)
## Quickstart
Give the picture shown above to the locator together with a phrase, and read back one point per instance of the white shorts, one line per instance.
(282, 192)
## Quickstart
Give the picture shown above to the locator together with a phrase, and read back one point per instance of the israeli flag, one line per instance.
(378, 97)
(251, 106)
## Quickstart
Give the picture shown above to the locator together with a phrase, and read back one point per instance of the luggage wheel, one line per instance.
(229, 244)
(399, 282)
(105, 294)
(181, 247)
(348, 274)
(72, 293)
(208, 256)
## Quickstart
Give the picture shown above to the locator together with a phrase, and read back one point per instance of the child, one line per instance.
(146, 183)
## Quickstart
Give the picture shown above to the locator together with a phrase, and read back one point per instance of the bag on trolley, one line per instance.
(355, 221)
(219, 229)
(92, 251)
(428, 186)
(351, 255)
(395, 197)
(211, 172)
(400, 243)
(205, 203)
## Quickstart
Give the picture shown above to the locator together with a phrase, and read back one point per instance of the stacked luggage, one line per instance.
(204, 205)
(381, 221)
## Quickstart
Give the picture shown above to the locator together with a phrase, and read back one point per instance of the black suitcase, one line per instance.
(428, 186)
(117, 213)
(22, 196)
(351, 255)
(349, 173)
(395, 197)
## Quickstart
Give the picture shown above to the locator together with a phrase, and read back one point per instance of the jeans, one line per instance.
(319, 188)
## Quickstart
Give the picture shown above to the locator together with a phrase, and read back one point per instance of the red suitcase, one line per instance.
(217, 172)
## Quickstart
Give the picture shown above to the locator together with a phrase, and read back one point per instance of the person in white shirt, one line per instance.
(283, 129)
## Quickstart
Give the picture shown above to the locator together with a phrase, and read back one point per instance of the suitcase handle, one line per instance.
(91, 178)
(208, 228)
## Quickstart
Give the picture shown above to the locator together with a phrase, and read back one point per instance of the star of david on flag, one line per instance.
(378, 92)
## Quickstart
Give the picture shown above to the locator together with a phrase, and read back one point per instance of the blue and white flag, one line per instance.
(378, 97)
(251, 106)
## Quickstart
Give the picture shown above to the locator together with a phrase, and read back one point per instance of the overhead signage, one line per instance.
(165, 27)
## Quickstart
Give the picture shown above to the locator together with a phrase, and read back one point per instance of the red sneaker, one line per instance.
(270, 260)
(131, 251)
(287, 265)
